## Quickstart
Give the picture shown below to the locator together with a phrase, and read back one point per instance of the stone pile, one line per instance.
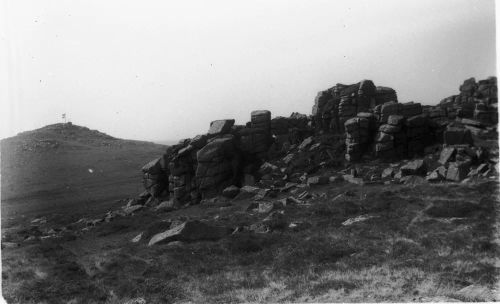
(477, 100)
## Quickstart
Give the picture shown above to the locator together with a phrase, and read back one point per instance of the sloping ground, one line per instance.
(64, 167)
(431, 242)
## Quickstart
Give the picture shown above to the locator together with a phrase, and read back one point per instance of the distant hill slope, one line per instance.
(65, 165)
(167, 142)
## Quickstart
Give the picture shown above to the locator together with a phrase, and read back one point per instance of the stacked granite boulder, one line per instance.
(477, 100)
(391, 138)
(333, 107)
(383, 111)
(359, 134)
(486, 114)
(385, 94)
(435, 113)
(256, 138)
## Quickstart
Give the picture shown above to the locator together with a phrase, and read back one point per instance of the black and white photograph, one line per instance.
(241, 151)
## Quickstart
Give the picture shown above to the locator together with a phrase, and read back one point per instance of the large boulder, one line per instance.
(217, 165)
(191, 231)
(216, 150)
(457, 171)
(447, 154)
(415, 167)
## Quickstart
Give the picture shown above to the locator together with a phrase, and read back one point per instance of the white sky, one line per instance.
(156, 70)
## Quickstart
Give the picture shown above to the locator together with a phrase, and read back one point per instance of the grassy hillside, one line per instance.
(416, 243)
(65, 167)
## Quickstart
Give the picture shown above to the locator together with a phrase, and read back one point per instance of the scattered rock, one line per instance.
(476, 293)
(293, 200)
(137, 238)
(231, 191)
(136, 301)
(416, 167)
(261, 194)
(9, 245)
(353, 180)
(305, 143)
(266, 207)
(387, 173)
(360, 218)
(191, 231)
(247, 192)
(39, 221)
(447, 155)
(457, 171)
(438, 174)
(133, 209)
(299, 226)
(413, 180)
(276, 220)
(318, 180)
(166, 206)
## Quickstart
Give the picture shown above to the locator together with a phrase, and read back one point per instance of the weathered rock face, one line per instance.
(348, 122)
(155, 176)
(182, 165)
(217, 165)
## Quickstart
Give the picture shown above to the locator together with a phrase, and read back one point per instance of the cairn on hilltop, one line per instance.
(349, 123)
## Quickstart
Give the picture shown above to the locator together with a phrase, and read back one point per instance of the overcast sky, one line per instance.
(156, 70)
